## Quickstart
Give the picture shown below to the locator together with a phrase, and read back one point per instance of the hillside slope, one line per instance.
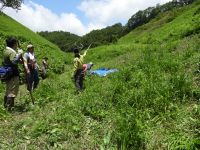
(151, 103)
(43, 47)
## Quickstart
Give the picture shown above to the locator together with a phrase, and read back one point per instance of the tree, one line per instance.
(67, 41)
(144, 16)
(64, 40)
(15, 4)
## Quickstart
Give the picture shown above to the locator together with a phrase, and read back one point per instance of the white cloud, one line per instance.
(108, 12)
(38, 18)
(100, 13)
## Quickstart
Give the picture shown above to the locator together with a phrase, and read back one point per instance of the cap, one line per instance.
(30, 46)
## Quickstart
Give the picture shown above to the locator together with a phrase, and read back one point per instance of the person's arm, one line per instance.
(37, 66)
(25, 58)
(84, 54)
(20, 52)
(75, 66)
(15, 58)
(45, 64)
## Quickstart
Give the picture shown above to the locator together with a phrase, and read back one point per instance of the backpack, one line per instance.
(5, 73)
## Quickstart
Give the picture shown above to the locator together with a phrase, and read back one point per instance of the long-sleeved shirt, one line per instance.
(10, 57)
(78, 62)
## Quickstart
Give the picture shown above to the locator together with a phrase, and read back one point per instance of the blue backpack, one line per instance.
(5, 73)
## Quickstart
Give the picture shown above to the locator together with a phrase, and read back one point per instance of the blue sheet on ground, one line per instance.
(103, 71)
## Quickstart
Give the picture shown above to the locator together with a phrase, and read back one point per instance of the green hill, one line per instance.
(64, 40)
(43, 47)
(151, 103)
(67, 41)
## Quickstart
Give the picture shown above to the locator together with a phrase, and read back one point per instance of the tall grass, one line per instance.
(151, 103)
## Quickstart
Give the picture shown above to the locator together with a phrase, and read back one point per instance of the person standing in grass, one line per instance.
(44, 67)
(11, 59)
(31, 67)
(78, 73)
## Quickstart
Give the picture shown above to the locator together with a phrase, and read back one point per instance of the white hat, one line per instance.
(30, 46)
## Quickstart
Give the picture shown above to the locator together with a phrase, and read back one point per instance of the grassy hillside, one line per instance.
(65, 40)
(151, 103)
(43, 47)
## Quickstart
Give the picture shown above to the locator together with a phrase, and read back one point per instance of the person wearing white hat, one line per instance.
(31, 67)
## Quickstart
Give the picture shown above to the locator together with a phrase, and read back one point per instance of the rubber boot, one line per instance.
(10, 103)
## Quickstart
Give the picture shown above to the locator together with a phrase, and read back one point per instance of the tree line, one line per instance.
(66, 41)
(143, 17)
(111, 34)
(15, 4)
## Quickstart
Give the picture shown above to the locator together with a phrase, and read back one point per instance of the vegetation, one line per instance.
(142, 17)
(43, 48)
(151, 103)
(15, 4)
(67, 41)
(64, 40)
(104, 36)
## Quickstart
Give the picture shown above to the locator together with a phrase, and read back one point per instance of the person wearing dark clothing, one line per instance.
(78, 73)
(31, 67)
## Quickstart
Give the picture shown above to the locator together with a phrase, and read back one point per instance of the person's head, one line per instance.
(77, 55)
(12, 42)
(76, 52)
(30, 48)
(45, 58)
(91, 63)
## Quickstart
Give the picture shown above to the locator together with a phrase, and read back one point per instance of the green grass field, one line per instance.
(151, 103)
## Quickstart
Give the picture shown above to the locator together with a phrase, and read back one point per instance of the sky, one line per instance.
(77, 16)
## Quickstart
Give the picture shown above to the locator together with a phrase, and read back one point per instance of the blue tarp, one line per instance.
(103, 71)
